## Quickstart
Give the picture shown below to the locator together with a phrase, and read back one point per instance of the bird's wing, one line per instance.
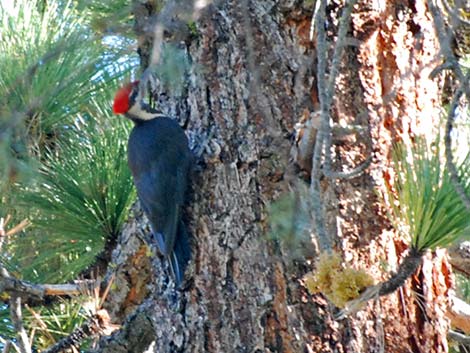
(160, 204)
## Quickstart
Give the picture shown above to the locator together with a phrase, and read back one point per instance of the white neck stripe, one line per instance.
(138, 113)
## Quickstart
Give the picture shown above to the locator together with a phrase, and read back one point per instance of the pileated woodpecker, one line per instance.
(159, 159)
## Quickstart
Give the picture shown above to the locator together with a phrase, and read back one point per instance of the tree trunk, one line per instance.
(252, 80)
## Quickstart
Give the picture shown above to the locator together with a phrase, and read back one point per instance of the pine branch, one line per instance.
(98, 324)
(448, 145)
(30, 291)
(323, 239)
(326, 91)
(409, 265)
(17, 319)
(459, 337)
(38, 292)
(445, 39)
(406, 269)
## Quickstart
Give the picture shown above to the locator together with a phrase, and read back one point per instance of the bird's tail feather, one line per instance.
(181, 254)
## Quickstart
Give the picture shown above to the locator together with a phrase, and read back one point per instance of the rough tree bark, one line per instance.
(252, 80)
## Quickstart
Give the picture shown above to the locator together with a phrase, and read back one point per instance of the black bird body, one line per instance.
(160, 160)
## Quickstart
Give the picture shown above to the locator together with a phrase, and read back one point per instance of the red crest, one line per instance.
(121, 99)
